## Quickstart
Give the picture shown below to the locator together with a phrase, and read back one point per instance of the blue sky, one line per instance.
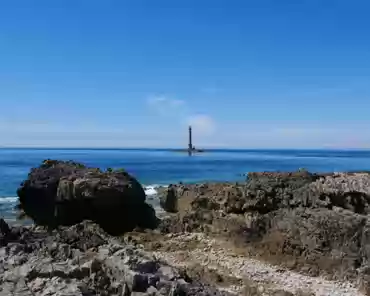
(268, 74)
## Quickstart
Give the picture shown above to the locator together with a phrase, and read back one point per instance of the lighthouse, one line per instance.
(190, 146)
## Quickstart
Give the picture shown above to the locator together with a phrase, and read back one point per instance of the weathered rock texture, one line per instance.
(65, 193)
(218, 262)
(83, 260)
(318, 224)
(168, 200)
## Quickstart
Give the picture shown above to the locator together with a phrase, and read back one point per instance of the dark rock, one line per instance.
(168, 200)
(66, 193)
(282, 293)
(147, 266)
(140, 283)
(4, 232)
(7, 234)
(4, 228)
(153, 280)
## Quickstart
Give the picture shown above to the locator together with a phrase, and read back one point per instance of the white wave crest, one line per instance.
(151, 189)
(8, 199)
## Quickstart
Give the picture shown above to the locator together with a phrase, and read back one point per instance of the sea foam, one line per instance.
(8, 199)
(151, 190)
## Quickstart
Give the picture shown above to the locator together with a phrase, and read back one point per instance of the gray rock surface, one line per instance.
(84, 260)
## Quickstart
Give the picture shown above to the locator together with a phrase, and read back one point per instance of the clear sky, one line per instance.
(134, 73)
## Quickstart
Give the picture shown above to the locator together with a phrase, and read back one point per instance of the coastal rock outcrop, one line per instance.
(168, 200)
(65, 193)
(317, 223)
(83, 260)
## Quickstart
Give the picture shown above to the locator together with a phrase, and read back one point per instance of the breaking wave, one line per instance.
(8, 199)
(151, 190)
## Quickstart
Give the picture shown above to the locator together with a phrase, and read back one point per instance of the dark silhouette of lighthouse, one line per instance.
(190, 146)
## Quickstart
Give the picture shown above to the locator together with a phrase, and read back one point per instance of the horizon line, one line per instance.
(174, 148)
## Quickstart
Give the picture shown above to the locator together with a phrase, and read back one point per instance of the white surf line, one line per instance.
(260, 272)
(151, 189)
(8, 199)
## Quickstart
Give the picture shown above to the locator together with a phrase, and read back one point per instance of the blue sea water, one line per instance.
(161, 167)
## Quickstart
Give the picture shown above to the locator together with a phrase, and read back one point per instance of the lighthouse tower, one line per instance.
(190, 146)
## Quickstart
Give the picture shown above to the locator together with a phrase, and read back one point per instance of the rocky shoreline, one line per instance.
(277, 233)
(314, 224)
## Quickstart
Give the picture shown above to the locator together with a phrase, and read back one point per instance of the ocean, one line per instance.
(155, 167)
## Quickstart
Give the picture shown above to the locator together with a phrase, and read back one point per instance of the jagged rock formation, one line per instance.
(318, 224)
(83, 260)
(168, 200)
(65, 193)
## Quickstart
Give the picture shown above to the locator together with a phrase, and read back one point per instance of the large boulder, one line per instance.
(66, 193)
(314, 240)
